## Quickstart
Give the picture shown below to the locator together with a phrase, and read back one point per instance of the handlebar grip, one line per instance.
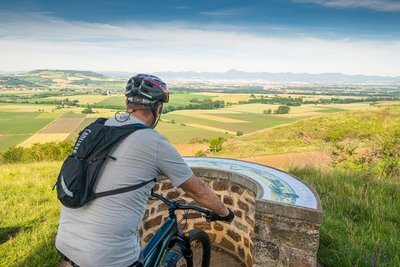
(213, 216)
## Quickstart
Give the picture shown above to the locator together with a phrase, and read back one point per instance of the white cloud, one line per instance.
(377, 5)
(44, 42)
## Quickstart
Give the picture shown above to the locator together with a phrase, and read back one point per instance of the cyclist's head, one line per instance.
(147, 90)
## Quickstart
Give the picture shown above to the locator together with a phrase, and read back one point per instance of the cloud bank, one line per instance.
(377, 5)
(41, 41)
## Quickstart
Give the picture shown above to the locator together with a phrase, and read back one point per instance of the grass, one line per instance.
(361, 218)
(29, 212)
(360, 226)
(360, 127)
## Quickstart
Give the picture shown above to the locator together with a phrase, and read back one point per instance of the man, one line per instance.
(103, 232)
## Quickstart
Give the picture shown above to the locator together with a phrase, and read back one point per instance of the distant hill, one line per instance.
(284, 77)
(67, 73)
(61, 79)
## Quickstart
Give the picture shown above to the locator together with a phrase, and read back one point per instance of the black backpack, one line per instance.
(81, 169)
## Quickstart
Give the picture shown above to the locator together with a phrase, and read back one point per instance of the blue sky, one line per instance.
(314, 36)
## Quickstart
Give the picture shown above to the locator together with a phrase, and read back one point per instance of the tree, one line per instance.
(87, 111)
(215, 145)
(282, 110)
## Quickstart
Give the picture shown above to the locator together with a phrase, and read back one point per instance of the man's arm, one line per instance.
(201, 193)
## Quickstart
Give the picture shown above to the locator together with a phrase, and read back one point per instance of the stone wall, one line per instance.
(286, 235)
(264, 233)
(235, 239)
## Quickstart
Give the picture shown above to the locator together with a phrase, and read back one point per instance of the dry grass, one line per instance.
(44, 138)
(218, 118)
(197, 125)
(313, 159)
(26, 108)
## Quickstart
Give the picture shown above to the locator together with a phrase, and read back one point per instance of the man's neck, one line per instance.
(146, 119)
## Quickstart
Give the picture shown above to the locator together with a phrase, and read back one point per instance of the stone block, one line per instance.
(227, 244)
(152, 222)
(228, 200)
(220, 185)
(202, 225)
(218, 226)
(237, 189)
(235, 236)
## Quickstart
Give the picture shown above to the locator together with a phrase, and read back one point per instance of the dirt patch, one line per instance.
(188, 150)
(63, 125)
(316, 159)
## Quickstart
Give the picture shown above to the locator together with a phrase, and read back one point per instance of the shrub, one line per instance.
(216, 144)
(38, 152)
(200, 153)
(282, 110)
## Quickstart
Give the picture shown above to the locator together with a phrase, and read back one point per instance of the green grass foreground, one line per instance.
(361, 217)
(360, 228)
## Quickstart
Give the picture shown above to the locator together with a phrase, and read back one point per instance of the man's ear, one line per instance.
(159, 107)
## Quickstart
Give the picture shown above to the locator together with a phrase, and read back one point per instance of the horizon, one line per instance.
(290, 36)
(191, 71)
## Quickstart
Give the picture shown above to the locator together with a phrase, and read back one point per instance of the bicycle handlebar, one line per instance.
(208, 214)
(175, 205)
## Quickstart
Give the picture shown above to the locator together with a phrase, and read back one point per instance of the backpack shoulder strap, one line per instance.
(100, 121)
(122, 190)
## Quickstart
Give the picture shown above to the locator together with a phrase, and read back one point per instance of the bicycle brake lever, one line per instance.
(207, 216)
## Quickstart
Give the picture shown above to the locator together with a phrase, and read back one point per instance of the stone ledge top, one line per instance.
(276, 186)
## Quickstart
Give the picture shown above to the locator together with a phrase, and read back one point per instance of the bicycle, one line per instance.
(173, 247)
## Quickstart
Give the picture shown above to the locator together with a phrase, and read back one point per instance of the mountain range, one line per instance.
(283, 77)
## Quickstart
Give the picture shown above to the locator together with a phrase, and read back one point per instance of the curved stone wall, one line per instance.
(278, 216)
(236, 239)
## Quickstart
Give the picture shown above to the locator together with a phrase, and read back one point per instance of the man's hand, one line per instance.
(228, 218)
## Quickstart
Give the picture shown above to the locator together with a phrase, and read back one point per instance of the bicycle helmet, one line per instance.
(148, 90)
(148, 87)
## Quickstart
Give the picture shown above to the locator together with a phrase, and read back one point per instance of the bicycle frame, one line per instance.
(168, 231)
(153, 251)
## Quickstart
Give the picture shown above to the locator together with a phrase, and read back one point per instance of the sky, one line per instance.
(300, 36)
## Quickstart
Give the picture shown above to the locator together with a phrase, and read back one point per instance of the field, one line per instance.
(179, 127)
(17, 126)
(83, 99)
(176, 99)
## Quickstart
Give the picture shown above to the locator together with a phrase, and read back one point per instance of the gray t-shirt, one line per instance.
(104, 231)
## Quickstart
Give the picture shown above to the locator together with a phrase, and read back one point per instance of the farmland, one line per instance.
(23, 123)
(46, 105)
(17, 126)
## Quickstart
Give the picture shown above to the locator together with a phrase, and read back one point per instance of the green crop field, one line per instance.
(118, 101)
(178, 134)
(24, 122)
(83, 99)
(18, 126)
(246, 123)
(176, 99)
